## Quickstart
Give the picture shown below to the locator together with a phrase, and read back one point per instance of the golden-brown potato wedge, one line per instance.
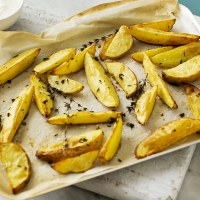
(176, 56)
(17, 64)
(42, 96)
(183, 73)
(15, 114)
(155, 79)
(193, 96)
(65, 85)
(163, 25)
(17, 165)
(167, 135)
(83, 118)
(72, 147)
(105, 46)
(124, 76)
(150, 53)
(111, 145)
(120, 45)
(75, 64)
(55, 60)
(145, 105)
(154, 36)
(99, 82)
(77, 164)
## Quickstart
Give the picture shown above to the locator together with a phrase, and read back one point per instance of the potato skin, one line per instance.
(76, 164)
(15, 115)
(145, 105)
(105, 46)
(193, 96)
(163, 25)
(17, 64)
(42, 96)
(11, 154)
(167, 135)
(138, 56)
(72, 147)
(111, 146)
(83, 118)
(183, 73)
(75, 64)
(55, 60)
(120, 45)
(176, 56)
(153, 36)
(156, 80)
(124, 76)
(99, 82)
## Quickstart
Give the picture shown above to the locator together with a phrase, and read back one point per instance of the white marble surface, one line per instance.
(134, 182)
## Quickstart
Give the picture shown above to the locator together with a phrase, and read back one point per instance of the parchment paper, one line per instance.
(74, 32)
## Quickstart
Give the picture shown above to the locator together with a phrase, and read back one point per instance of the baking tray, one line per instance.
(31, 137)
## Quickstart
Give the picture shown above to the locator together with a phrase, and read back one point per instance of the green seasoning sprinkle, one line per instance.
(121, 76)
(82, 140)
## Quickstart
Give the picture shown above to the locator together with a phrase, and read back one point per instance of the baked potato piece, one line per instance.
(55, 60)
(124, 76)
(163, 25)
(15, 114)
(150, 53)
(42, 96)
(65, 85)
(17, 64)
(193, 96)
(120, 45)
(111, 145)
(83, 118)
(104, 47)
(76, 164)
(183, 73)
(145, 105)
(17, 165)
(155, 79)
(167, 135)
(72, 147)
(176, 56)
(99, 83)
(75, 64)
(154, 36)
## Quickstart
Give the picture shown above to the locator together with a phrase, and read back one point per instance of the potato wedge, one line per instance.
(17, 165)
(75, 64)
(163, 25)
(42, 95)
(155, 79)
(15, 114)
(176, 56)
(17, 64)
(76, 164)
(105, 46)
(65, 85)
(150, 53)
(83, 118)
(145, 105)
(111, 145)
(183, 73)
(72, 147)
(167, 135)
(100, 83)
(120, 45)
(193, 96)
(154, 36)
(124, 76)
(55, 60)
